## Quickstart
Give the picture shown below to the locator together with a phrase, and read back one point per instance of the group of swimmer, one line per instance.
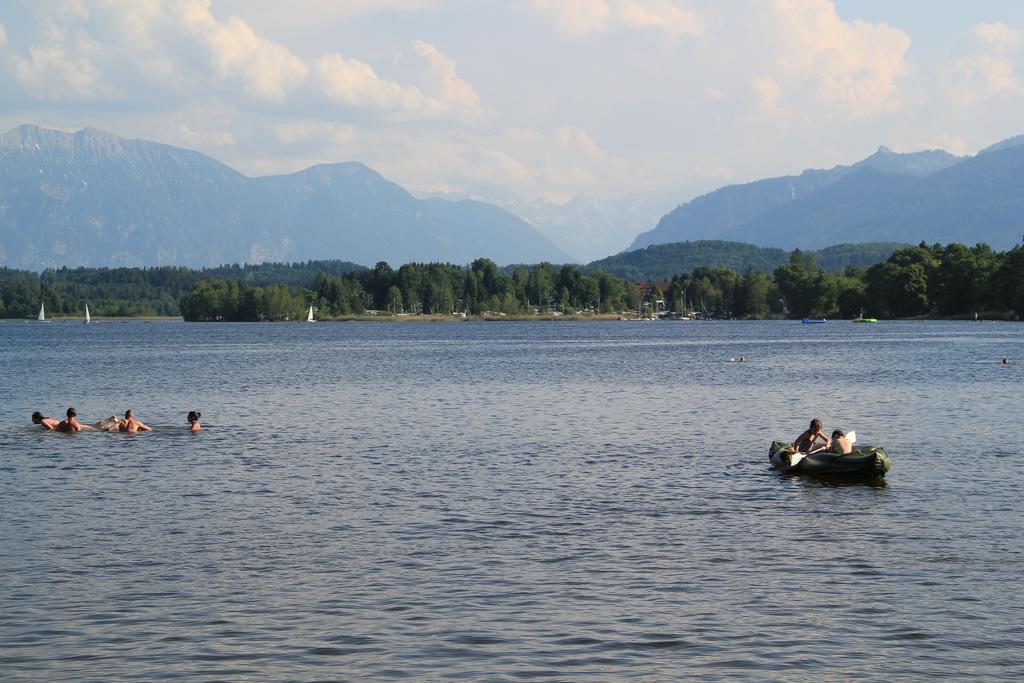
(129, 424)
(808, 441)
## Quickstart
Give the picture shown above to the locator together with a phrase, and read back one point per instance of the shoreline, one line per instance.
(430, 318)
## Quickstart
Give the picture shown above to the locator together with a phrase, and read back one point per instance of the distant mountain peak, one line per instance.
(90, 133)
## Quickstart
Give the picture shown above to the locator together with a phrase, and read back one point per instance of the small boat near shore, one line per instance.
(814, 321)
(866, 461)
(865, 320)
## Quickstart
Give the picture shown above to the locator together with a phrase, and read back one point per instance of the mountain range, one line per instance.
(94, 199)
(584, 227)
(927, 196)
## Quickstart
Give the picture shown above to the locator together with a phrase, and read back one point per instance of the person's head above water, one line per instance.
(838, 433)
(129, 414)
(193, 416)
(72, 413)
(815, 425)
(37, 417)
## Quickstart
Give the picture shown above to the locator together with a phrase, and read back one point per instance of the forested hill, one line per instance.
(661, 262)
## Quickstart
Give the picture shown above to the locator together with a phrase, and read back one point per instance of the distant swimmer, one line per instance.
(47, 422)
(129, 424)
(743, 359)
(1006, 361)
(193, 420)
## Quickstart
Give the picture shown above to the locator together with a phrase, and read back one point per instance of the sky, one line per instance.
(532, 98)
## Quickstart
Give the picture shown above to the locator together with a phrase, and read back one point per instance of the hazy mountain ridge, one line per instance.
(583, 227)
(979, 199)
(93, 198)
(758, 212)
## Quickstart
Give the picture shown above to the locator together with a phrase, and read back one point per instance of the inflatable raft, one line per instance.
(867, 461)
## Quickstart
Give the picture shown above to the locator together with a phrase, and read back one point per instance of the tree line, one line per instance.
(125, 292)
(420, 288)
(946, 281)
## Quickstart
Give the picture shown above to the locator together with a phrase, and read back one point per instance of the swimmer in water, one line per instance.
(53, 425)
(1006, 361)
(71, 424)
(47, 422)
(129, 424)
(193, 420)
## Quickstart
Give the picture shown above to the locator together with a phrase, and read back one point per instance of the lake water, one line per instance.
(509, 501)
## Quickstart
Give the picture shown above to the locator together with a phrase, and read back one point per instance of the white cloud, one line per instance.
(355, 84)
(768, 92)
(988, 68)
(574, 16)
(314, 132)
(49, 73)
(167, 49)
(185, 135)
(855, 66)
(659, 14)
(267, 70)
(714, 95)
(3, 36)
(597, 16)
(436, 75)
(998, 36)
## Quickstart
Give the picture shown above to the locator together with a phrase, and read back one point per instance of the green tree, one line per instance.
(394, 302)
(1010, 277)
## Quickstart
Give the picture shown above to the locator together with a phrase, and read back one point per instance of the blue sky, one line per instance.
(537, 98)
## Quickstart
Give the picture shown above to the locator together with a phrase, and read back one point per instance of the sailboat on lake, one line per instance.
(87, 318)
(42, 316)
(309, 316)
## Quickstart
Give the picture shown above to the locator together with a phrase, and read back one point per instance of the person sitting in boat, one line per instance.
(47, 422)
(806, 442)
(129, 424)
(193, 420)
(840, 444)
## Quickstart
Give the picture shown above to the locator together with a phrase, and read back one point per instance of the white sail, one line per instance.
(42, 316)
(87, 318)
(309, 316)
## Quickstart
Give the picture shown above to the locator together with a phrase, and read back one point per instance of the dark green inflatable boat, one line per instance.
(867, 461)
